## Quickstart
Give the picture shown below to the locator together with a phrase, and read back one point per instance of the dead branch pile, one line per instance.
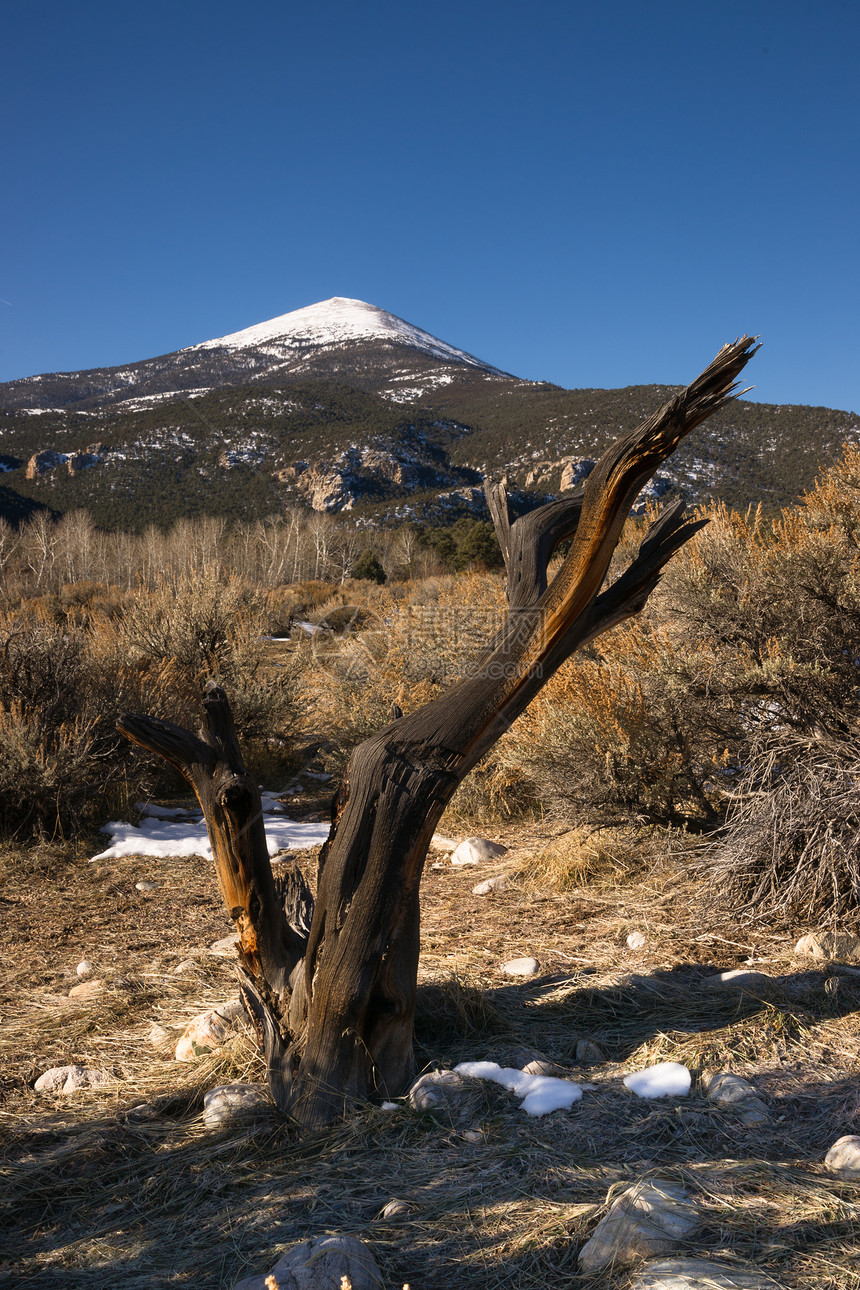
(791, 845)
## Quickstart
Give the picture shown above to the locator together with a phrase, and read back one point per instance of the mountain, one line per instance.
(344, 407)
(355, 342)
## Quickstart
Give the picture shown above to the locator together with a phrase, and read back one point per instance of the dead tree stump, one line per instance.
(335, 1001)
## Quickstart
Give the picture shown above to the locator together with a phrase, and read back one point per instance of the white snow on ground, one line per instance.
(668, 1079)
(150, 400)
(541, 1093)
(166, 812)
(161, 834)
(331, 322)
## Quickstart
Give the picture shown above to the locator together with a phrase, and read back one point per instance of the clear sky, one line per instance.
(594, 194)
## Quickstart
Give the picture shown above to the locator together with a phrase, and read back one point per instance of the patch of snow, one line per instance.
(667, 1079)
(162, 837)
(144, 401)
(166, 812)
(333, 322)
(541, 1094)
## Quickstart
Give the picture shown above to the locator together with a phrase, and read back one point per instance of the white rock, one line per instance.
(84, 969)
(142, 1112)
(700, 1274)
(843, 1158)
(587, 1053)
(439, 842)
(490, 885)
(753, 1112)
(323, 1263)
(202, 1034)
(475, 850)
(741, 979)
(87, 989)
(70, 1079)
(225, 948)
(649, 1218)
(733, 1090)
(636, 940)
(186, 966)
(438, 1088)
(394, 1209)
(162, 1037)
(230, 1103)
(727, 1088)
(666, 1079)
(233, 1012)
(539, 1066)
(521, 967)
(840, 947)
(146, 884)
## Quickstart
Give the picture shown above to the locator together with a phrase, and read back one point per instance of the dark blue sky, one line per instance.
(597, 195)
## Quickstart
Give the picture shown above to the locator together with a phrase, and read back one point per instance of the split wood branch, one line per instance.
(229, 797)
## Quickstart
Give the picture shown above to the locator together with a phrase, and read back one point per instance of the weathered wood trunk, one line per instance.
(335, 1003)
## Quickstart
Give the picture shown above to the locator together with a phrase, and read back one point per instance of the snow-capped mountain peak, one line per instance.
(336, 322)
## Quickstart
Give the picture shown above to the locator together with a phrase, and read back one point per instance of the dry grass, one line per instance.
(95, 1193)
(579, 856)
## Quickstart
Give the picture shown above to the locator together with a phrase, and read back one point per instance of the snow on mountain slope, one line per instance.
(336, 322)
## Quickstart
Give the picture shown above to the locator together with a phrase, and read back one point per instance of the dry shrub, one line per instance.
(492, 793)
(747, 637)
(625, 732)
(61, 757)
(66, 677)
(791, 846)
(415, 641)
(176, 637)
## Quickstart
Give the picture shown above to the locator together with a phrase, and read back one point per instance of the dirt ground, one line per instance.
(125, 1186)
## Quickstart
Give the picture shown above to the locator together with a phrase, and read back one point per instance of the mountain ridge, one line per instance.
(344, 407)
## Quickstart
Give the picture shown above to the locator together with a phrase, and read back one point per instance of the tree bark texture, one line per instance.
(335, 1002)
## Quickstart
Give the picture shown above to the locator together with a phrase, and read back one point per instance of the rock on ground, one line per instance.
(587, 1052)
(70, 1079)
(839, 947)
(395, 1209)
(636, 940)
(733, 1090)
(741, 979)
(437, 1089)
(225, 948)
(843, 1158)
(475, 850)
(321, 1264)
(649, 1218)
(231, 1103)
(540, 1066)
(87, 989)
(521, 967)
(439, 842)
(204, 1032)
(490, 885)
(84, 969)
(700, 1274)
